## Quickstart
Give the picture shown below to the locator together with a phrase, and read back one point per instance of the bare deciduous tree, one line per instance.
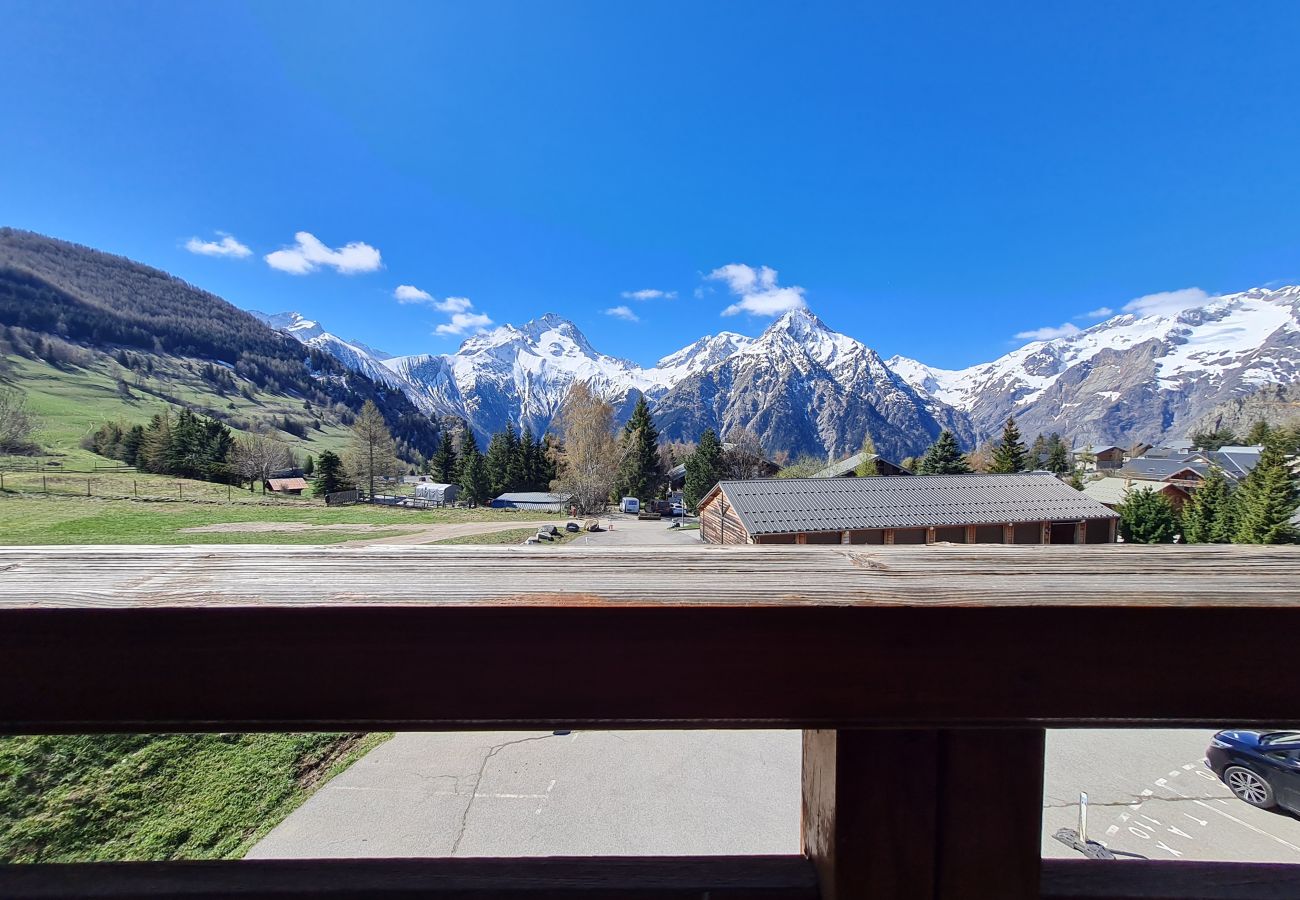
(16, 423)
(372, 453)
(742, 454)
(589, 460)
(256, 457)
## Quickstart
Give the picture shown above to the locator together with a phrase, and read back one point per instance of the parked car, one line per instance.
(1260, 767)
(630, 505)
(678, 509)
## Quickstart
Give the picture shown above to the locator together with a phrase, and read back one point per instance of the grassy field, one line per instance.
(66, 798)
(74, 401)
(25, 520)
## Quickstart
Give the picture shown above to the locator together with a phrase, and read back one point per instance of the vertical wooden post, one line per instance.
(889, 535)
(929, 535)
(1008, 533)
(970, 534)
(801, 538)
(924, 814)
(844, 538)
(1044, 532)
(1081, 532)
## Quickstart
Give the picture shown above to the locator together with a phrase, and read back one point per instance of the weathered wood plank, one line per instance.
(648, 878)
(1071, 879)
(905, 814)
(357, 668)
(949, 575)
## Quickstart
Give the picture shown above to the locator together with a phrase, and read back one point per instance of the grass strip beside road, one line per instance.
(82, 521)
(513, 536)
(79, 798)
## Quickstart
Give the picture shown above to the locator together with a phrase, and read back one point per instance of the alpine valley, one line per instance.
(802, 387)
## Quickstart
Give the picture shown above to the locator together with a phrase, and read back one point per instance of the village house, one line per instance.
(1032, 508)
(533, 501)
(1111, 492)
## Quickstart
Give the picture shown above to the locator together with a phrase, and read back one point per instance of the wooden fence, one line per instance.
(954, 658)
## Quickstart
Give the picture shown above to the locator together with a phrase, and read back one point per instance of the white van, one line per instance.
(630, 505)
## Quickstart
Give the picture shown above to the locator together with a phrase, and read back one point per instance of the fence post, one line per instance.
(45, 484)
(87, 487)
(180, 490)
(135, 487)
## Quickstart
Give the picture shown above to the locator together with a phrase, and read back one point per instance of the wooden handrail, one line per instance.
(959, 656)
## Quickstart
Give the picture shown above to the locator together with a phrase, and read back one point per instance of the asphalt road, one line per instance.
(651, 792)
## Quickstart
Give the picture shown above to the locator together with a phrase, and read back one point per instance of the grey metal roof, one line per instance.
(785, 505)
(844, 466)
(1160, 469)
(531, 497)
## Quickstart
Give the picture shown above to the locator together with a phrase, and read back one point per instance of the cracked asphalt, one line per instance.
(730, 792)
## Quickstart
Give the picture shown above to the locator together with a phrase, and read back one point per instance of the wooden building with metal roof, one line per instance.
(1031, 508)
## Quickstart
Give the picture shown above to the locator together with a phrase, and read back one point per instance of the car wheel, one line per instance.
(1249, 787)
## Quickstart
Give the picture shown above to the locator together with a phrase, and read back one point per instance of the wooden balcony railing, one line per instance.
(956, 658)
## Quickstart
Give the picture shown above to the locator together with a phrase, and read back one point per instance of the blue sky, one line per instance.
(930, 178)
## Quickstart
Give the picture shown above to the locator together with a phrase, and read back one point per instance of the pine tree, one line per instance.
(474, 483)
(704, 468)
(1076, 480)
(501, 461)
(1259, 433)
(1038, 452)
(1009, 455)
(870, 464)
(639, 472)
(530, 463)
(1146, 517)
(1267, 500)
(1058, 457)
(308, 466)
(1207, 516)
(330, 477)
(443, 464)
(943, 458)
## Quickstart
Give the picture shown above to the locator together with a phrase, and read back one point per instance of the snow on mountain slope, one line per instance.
(1131, 376)
(357, 357)
(805, 389)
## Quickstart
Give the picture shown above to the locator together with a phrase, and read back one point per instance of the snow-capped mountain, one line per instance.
(804, 388)
(1131, 377)
(355, 356)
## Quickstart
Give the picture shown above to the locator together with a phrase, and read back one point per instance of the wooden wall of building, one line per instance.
(719, 523)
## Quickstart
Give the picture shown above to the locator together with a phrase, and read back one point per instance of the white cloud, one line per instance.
(227, 246)
(462, 322)
(623, 312)
(1047, 333)
(1167, 303)
(409, 293)
(1101, 312)
(308, 254)
(454, 305)
(758, 291)
(649, 294)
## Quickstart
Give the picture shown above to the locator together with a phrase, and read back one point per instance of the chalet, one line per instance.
(1034, 508)
(848, 467)
(285, 485)
(1109, 457)
(1111, 492)
(1177, 471)
(534, 501)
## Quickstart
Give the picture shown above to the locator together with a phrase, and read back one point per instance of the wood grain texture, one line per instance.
(1071, 879)
(648, 878)
(980, 575)
(358, 667)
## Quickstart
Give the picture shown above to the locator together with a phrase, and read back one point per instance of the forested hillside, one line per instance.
(108, 303)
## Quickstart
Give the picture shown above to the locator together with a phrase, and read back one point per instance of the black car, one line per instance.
(1260, 767)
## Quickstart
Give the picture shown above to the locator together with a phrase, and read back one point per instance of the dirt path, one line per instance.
(428, 533)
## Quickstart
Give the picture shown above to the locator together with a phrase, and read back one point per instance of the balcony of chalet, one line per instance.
(958, 657)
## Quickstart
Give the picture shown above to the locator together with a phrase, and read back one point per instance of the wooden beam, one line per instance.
(1079, 879)
(903, 814)
(638, 878)
(929, 535)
